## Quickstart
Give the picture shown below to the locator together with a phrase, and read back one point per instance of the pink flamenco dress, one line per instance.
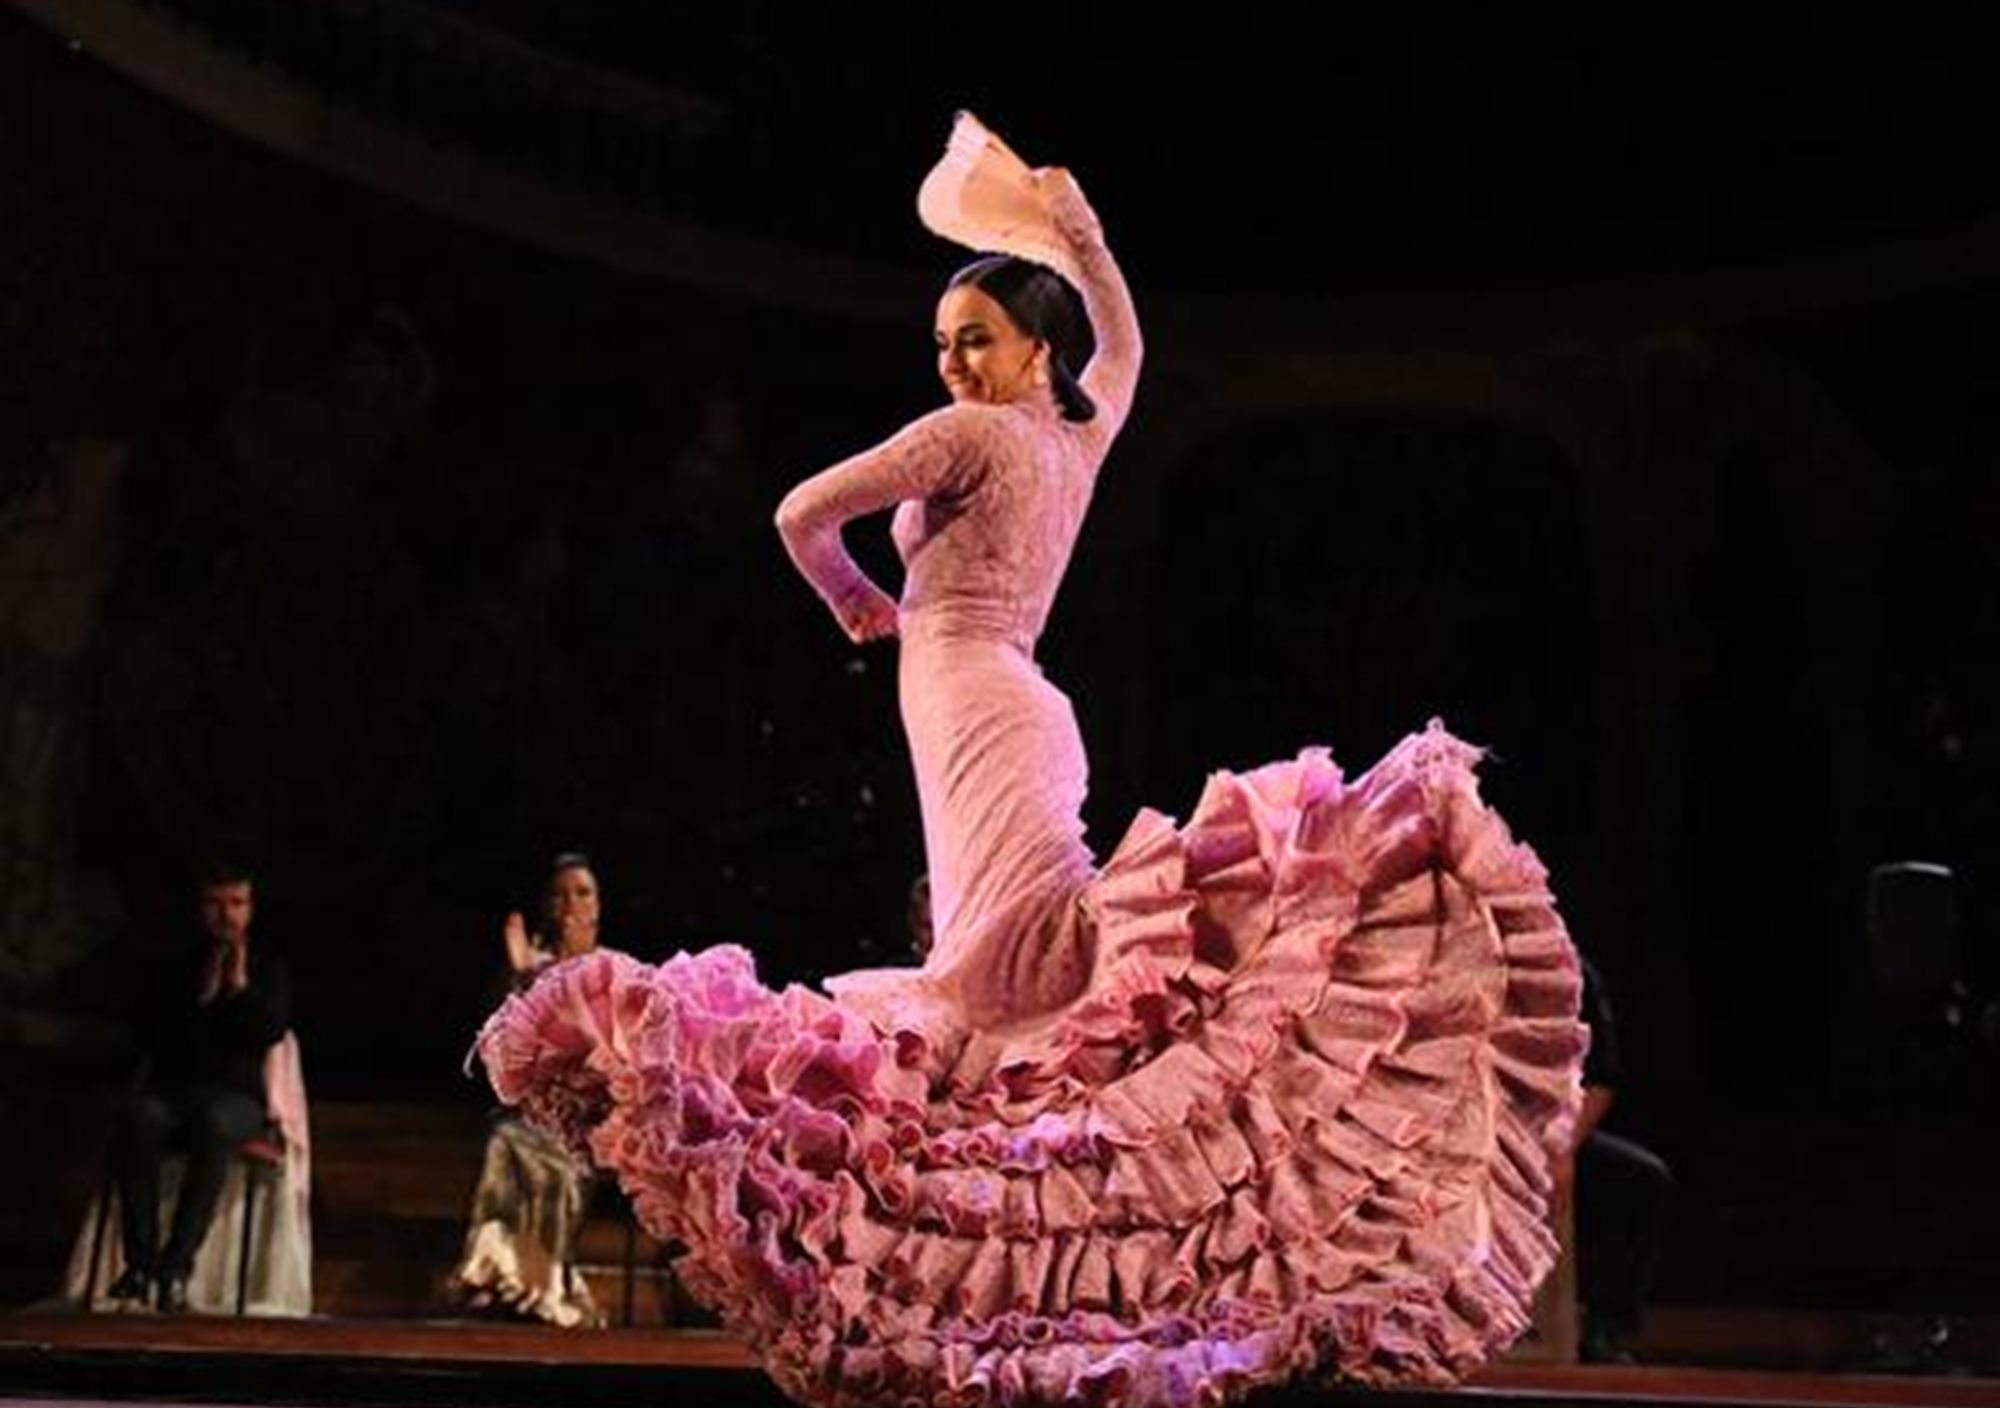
(1270, 1094)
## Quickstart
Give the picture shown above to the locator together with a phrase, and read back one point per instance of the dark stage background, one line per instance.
(390, 505)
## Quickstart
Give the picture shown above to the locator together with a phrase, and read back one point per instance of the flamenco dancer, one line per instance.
(1271, 1094)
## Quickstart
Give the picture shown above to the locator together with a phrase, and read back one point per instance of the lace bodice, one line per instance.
(991, 496)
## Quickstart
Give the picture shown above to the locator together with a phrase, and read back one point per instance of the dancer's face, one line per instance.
(982, 355)
(573, 910)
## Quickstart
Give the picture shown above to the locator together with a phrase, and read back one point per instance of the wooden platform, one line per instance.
(86, 1359)
(391, 1185)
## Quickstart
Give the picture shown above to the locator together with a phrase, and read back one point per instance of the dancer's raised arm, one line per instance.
(1085, 260)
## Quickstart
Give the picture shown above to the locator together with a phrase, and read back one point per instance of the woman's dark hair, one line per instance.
(1042, 305)
(559, 864)
(568, 860)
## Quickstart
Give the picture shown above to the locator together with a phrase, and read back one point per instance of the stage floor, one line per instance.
(80, 1360)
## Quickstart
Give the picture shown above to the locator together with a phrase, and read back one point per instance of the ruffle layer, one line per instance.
(1299, 1121)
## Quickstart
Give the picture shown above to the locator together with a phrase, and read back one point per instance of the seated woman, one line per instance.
(520, 1244)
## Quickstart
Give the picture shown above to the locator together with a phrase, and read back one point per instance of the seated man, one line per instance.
(209, 1014)
(1623, 1195)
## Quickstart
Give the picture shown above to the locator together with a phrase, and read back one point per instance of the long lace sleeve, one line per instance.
(932, 457)
(1085, 260)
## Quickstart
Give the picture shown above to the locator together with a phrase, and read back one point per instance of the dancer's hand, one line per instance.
(1064, 201)
(1051, 180)
(867, 613)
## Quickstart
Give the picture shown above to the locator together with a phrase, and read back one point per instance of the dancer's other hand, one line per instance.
(867, 613)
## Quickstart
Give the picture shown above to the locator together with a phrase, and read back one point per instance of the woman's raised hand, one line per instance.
(521, 955)
(1067, 208)
(1050, 179)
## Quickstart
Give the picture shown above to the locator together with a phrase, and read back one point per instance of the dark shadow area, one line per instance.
(396, 556)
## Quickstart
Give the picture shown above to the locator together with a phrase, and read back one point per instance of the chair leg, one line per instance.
(97, 1237)
(631, 1265)
(250, 1176)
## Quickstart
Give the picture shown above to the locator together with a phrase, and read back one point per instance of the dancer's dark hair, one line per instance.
(1042, 305)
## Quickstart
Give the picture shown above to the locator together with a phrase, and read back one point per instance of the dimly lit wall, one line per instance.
(429, 554)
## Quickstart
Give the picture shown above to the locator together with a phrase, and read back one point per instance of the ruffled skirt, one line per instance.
(1297, 1121)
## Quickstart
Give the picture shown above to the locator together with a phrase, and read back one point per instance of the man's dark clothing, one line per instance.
(200, 1091)
(1622, 1193)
